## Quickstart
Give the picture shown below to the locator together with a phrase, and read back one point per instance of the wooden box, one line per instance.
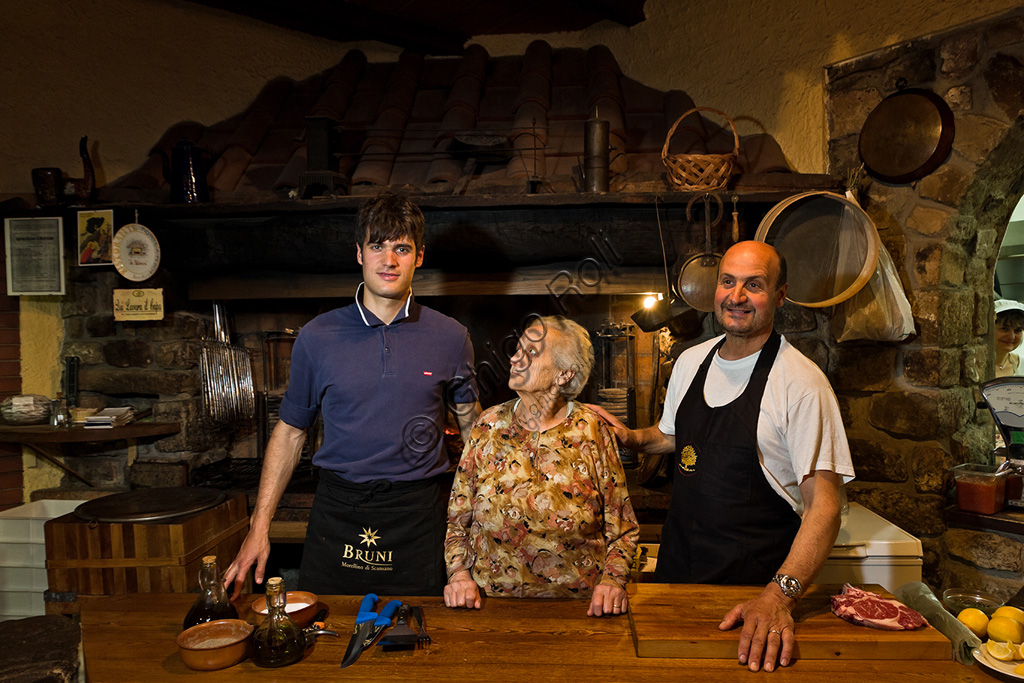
(86, 558)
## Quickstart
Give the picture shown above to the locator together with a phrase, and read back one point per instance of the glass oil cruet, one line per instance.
(212, 603)
(278, 641)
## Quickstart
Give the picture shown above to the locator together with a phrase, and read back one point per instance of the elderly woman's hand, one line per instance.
(608, 599)
(462, 591)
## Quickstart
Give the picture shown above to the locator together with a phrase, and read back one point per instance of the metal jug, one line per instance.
(185, 172)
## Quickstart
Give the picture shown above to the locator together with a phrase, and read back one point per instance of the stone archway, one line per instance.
(911, 408)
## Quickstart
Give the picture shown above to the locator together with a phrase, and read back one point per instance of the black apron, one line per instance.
(380, 537)
(725, 523)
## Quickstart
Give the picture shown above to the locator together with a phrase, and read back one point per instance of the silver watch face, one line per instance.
(789, 585)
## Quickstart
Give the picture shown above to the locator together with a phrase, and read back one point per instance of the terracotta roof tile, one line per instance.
(397, 120)
(341, 84)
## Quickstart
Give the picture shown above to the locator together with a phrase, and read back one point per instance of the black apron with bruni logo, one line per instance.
(725, 523)
(379, 537)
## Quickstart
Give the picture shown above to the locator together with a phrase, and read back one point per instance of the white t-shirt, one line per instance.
(799, 429)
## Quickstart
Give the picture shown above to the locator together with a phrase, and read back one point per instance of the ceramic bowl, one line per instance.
(300, 605)
(215, 644)
(957, 599)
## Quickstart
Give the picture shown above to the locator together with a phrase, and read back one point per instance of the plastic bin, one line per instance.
(23, 556)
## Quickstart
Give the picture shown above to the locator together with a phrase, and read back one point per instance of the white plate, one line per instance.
(1001, 670)
(136, 252)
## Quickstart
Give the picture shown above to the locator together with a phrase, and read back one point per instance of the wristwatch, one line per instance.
(790, 585)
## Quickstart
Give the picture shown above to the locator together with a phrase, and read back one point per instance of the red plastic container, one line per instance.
(979, 489)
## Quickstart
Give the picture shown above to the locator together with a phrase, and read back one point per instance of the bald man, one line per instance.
(760, 453)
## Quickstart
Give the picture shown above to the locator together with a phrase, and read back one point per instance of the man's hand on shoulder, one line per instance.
(620, 430)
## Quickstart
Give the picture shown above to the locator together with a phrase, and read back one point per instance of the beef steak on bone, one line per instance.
(865, 608)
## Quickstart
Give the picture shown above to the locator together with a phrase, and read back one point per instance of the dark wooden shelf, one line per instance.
(1010, 520)
(78, 434)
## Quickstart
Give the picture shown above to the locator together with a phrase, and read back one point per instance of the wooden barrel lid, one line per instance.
(149, 505)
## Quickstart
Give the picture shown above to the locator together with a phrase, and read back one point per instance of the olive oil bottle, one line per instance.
(212, 603)
(278, 641)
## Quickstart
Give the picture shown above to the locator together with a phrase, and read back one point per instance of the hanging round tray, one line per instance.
(907, 136)
(149, 505)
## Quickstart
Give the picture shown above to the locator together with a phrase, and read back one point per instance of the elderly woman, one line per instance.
(1009, 329)
(539, 507)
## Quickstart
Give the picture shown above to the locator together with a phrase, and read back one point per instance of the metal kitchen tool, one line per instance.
(400, 634)
(226, 372)
(424, 638)
(317, 628)
(369, 625)
(907, 136)
(1005, 399)
(698, 277)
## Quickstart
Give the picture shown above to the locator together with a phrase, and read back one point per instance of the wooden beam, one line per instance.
(558, 280)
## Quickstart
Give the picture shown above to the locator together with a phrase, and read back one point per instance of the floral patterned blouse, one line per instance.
(541, 514)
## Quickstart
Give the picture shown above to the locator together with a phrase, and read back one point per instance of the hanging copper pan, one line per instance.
(698, 278)
(907, 136)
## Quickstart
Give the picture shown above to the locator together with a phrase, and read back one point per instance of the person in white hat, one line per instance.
(1009, 331)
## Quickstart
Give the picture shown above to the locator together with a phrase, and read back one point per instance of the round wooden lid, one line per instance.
(149, 505)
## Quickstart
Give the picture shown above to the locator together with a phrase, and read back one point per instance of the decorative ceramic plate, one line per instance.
(136, 252)
(992, 666)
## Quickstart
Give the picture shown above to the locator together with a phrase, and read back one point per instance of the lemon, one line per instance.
(1001, 651)
(974, 619)
(1005, 629)
(1010, 612)
(1019, 670)
(1017, 654)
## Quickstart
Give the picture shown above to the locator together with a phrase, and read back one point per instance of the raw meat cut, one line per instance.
(865, 608)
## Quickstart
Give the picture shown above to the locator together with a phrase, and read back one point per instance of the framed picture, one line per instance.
(95, 235)
(35, 256)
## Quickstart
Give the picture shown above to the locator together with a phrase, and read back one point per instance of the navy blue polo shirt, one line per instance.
(381, 388)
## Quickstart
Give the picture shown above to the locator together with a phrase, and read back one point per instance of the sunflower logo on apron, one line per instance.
(688, 460)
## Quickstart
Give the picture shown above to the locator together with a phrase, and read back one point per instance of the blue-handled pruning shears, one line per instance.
(369, 625)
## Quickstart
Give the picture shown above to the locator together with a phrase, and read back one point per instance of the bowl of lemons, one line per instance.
(1002, 633)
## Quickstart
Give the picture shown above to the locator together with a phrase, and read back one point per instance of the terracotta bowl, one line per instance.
(300, 605)
(215, 644)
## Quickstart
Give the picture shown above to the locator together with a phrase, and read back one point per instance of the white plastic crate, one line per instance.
(17, 604)
(23, 556)
(24, 524)
(23, 579)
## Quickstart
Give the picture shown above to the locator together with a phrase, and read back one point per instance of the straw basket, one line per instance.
(697, 172)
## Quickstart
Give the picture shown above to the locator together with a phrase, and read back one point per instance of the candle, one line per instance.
(595, 155)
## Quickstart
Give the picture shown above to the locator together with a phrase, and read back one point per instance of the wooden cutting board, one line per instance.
(681, 621)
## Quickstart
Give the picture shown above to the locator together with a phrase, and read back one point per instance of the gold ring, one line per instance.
(615, 606)
(775, 631)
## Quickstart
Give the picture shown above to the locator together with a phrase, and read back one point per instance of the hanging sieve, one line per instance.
(830, 246)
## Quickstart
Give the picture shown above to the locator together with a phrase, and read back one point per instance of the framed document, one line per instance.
(35, 256)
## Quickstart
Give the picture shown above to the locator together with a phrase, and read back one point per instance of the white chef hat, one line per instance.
(1008, 305)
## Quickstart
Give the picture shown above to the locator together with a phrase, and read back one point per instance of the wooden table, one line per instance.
(131, 638)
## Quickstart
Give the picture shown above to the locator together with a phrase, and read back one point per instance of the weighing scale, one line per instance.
(1005, 399)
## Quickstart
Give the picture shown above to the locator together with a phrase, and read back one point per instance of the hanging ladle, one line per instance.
(698, 277)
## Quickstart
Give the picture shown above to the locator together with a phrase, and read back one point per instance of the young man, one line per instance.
(382, 372)
(760, 454)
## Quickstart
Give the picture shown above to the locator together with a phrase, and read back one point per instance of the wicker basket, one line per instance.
(700, 172)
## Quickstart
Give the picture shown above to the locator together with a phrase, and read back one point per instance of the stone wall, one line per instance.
(149, 365)
(911, 407)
